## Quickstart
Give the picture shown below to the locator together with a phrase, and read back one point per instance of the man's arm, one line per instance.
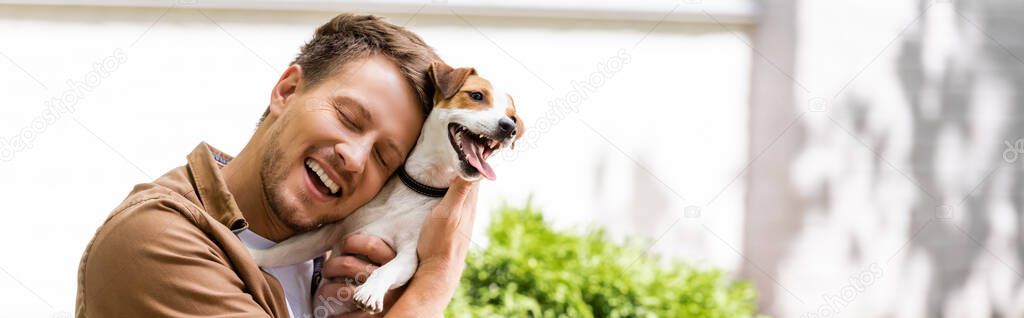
(150, 261)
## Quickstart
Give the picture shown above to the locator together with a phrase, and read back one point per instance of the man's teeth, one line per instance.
(323, 176)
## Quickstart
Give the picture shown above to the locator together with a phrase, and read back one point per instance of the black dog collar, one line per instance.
(419, 187)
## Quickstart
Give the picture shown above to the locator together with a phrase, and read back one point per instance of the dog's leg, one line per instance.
(370, 295)
(299, 248)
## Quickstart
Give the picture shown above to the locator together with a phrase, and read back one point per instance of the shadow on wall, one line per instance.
(929, 174)
(955, 115)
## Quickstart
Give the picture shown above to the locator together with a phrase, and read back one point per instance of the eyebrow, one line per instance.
(352, 103)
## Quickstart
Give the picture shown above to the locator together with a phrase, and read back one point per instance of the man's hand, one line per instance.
(443, 243)
(361, 255)
(445, 237)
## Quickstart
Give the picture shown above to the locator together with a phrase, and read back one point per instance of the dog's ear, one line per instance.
(448, 80)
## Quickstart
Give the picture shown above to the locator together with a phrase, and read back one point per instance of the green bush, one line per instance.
(531, 270)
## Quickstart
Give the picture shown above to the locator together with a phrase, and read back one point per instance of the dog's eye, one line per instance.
(477, 96)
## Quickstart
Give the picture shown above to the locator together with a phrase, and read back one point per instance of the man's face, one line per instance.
(332, 146)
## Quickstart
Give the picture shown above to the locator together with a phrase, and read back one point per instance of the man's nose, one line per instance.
(507, 127)
(353, 156)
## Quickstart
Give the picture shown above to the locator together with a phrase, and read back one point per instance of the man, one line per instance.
(355, 98)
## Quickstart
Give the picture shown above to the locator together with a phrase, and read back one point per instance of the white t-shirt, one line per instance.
(295, 279)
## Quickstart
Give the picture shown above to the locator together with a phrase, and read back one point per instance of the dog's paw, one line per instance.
(370, 298)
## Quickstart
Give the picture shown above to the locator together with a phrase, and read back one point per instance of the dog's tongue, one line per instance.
(475, 156)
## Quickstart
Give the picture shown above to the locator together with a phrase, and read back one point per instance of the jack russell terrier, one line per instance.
(470, 121)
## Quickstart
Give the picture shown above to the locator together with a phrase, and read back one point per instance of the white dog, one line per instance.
(469, 122)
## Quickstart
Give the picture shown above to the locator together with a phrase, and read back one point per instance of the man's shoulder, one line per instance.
(151, 217)
(155, 217)
(152, 201)
(168, 198)
(159, 254)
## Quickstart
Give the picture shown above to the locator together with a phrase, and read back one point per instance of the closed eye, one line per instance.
(345, 119)
(380, 158)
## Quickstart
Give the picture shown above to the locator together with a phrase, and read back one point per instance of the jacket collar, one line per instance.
(204, 170)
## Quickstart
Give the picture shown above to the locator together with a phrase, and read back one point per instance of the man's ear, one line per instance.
(448, 80)
(286, 86)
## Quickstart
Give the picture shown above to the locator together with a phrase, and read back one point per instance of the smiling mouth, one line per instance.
(321, 180)
(473, 148)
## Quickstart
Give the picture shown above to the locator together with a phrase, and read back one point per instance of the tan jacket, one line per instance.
(170, 250)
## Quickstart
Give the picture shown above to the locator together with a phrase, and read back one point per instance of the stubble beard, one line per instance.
(273, 173)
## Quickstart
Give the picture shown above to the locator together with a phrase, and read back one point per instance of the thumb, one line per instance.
(457, 193)
(460, 187)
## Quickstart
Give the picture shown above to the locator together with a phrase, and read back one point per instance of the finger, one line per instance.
(454, 199)
(347, 266)
(468, 212)
(389, 300)
(470, 202)
(336, 291)
(337, 298)
(374, 248)
(461, 188)
(355, 314)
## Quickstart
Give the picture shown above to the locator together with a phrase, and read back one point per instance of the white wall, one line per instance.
(677, 107)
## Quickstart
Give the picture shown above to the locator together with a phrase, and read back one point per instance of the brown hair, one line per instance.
(348, 37)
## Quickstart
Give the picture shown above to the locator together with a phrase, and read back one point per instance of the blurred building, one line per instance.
(890, 183)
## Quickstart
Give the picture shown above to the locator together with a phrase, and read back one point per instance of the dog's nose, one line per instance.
(507, 126)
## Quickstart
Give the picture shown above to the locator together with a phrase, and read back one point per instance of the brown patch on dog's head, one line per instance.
(460, 88)
(448, 80)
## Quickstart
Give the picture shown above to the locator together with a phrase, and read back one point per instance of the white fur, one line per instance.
(397, 213)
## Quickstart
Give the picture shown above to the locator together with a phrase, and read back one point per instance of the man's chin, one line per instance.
(289, 213)
(303, 227)
(296, 222)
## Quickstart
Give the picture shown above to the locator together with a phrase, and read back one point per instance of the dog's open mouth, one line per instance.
(473, 148)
